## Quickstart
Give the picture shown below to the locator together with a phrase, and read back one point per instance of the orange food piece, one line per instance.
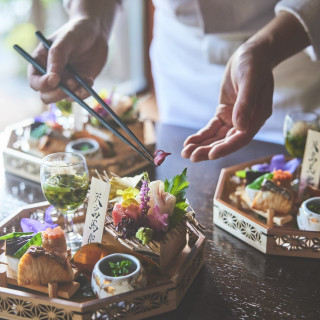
(88, 255)
(282, 175)
(55, 233)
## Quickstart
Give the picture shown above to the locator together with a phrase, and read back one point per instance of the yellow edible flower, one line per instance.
(128, 196)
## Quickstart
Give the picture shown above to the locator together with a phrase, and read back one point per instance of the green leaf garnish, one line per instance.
(178, 186)
(15, 235)
(256, 184)
(35, 240)
(120, 269)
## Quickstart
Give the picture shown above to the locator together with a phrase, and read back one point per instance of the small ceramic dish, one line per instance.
(104, 285)
(308, 218)
(89, 148)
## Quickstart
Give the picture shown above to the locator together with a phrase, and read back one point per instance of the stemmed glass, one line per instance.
(295, 130)
(64, 181)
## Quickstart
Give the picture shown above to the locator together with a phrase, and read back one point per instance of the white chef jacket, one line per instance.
(192, 42)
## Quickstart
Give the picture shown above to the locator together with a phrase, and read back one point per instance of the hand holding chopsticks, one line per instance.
(144, 152)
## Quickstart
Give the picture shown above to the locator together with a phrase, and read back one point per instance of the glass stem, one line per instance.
(68, 222)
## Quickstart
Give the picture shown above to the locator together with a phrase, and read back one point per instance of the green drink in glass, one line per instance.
(65, 191)
(65, 181)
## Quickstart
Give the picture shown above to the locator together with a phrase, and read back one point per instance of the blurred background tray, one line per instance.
(27, 165)
(249, 227)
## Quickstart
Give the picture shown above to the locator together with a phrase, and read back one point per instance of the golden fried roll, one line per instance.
(39, 266)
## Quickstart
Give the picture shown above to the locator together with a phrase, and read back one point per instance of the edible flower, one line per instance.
(32, 225)
(159, 156)
(157, 220)
(144, 195)
(128, 196)
(278, 162)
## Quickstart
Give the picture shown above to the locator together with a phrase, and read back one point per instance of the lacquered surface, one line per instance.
(237, 281)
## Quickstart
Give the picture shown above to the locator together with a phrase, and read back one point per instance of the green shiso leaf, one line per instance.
(35, 240)
(178, 186)
(15, 235)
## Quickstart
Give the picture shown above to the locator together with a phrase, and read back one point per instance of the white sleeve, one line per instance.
(308, 13)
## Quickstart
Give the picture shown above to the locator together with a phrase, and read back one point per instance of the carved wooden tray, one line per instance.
(159, 297)
(248, 226)
(27, 165)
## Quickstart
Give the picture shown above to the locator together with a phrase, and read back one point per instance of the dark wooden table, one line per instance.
(237, 281)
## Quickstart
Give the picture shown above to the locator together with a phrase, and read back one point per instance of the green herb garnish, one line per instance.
(35, 240)
(314, 208)
(256, 184)
(120, 269)
(178, 186)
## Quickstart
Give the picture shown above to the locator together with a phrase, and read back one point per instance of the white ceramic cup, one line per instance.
(105, 286)
(306, 218)
(93, 152)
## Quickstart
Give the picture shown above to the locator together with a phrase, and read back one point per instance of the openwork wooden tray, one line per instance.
(27, 165)
(161, 297)
(248, 226)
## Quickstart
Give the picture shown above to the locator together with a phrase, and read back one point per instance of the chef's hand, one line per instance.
(82, 42)
(79, 43)
(247, 90)
(245, 104)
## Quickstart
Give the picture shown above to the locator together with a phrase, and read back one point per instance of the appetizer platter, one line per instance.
(151, 250)
(51, 132)
(259, 202)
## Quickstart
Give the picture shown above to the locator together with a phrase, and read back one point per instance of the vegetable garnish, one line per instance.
(178, 186)
(35, 240)
(159, 156)
(158, 207)
(120, 269)
(256, 184)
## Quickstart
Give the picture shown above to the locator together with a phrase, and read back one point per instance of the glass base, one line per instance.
(74, 241)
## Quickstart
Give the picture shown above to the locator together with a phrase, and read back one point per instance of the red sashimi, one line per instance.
(120, 212)
(117, 213)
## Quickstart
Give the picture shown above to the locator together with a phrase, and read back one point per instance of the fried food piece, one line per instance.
(274, 197)
(39, 266)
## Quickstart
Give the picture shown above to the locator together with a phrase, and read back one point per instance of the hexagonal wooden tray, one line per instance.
(248, 226)
(159, 297)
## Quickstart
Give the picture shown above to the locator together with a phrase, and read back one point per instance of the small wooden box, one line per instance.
(246, 225)
(162, 252)
(162, 296)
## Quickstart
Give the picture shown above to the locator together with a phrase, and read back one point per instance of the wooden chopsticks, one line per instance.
(147, 155)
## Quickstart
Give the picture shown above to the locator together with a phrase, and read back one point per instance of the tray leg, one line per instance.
(52, 289)
(3, 275)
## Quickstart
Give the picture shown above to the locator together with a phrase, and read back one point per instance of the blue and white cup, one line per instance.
(307, 218)
(104, 285)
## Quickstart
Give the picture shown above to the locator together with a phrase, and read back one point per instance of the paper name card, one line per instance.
(310, 172)
(96, 211)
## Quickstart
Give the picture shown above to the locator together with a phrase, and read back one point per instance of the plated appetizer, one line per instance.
(268, 188)
(38, 259)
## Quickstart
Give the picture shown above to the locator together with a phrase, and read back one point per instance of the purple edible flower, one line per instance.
(47, 115)
(32, 225)
(278, 162)
(144, 195)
